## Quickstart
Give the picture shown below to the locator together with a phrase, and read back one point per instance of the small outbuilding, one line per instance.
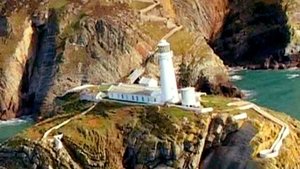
(189, 97)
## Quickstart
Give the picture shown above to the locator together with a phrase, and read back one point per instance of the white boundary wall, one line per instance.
(284, 132)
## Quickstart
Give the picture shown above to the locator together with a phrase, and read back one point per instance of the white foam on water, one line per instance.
(236, 77)
(249, 93)
(233, 70)
(16, 121)
(292, 76)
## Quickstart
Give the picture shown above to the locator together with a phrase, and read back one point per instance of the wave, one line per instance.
(16, 121)
(293, 68)
(236, 77)
(292, 76)
(233, 70)
(249, 93)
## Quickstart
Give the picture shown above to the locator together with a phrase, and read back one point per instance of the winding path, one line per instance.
(79, 88)
(148, 17)
(67, 121)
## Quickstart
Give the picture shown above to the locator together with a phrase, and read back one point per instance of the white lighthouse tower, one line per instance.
(169, 91)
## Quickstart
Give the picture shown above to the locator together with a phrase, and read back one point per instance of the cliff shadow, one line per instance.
(39, 76)
(253, 33)
(234, 152)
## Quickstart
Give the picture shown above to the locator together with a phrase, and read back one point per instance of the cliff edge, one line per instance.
(114, 135)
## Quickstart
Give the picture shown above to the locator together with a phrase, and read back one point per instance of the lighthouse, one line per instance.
(169, 91)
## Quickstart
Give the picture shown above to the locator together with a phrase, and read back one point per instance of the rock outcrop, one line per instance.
(248, 33)
(234, 152)
(13, 62)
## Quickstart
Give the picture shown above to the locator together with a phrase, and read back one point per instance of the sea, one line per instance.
(275, 89)
(12, 127)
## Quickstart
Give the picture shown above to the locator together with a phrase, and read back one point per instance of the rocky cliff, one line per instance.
(16, 50)
(63, 44)
(260, 33)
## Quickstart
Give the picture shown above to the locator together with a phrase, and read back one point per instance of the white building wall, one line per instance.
(188, 97)
(134, 98)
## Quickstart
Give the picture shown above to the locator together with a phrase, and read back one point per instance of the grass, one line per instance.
(71, 103)
(217, 102)
(203, 50)
(136, 5)
(104, 88)
(178, 113)
(83, 130)
(181, 42)
(36, 132)
(155, 30)
(56, 4)
(93, 131)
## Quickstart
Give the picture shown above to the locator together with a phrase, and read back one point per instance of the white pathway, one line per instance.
(67, 121)
(79, 88)
(273, 151)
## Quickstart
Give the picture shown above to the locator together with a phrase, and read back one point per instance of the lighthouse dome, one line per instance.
(163, 46)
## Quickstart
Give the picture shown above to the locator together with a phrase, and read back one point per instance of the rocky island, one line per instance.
(48, 47)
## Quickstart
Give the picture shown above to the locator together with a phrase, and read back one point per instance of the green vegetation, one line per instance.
(56, 4)
(36, 132)
(156, 30)
(203, 50)
(71, 103)
(76, 106)
(84, 130)
(73, 27)
(104, 88)
(136, 5)
(217, 102)
(181, 42)
(178, 113)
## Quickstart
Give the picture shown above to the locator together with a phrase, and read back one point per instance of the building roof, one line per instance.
(135, 75)
(148, 81)
(134, 89)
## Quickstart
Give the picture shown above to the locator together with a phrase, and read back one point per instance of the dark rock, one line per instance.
(5, 28)
(220, 88)
(188, 146)
(235, 153)
(274, 65)
(248, 34)
(282, 66)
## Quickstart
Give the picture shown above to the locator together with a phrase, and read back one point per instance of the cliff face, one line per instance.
(93, 42)
(14, 59)
(248, 35)
(206, 16)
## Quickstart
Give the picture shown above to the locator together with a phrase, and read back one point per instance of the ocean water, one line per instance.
(12, 127)
(278, 90)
